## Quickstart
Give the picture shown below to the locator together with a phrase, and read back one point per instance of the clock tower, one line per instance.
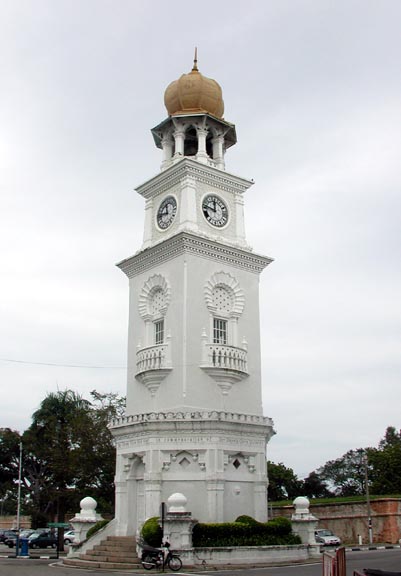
(194, 422)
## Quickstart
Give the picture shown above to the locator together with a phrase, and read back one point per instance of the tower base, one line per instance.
(216, 459)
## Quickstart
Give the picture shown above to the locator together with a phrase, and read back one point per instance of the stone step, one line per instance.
(79, 563)
(131, 554)
(113, 552)
(121, 559)
(121, 539)
(128, 547)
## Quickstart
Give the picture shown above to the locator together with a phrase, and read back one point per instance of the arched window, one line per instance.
(153, 303)
(225, 301)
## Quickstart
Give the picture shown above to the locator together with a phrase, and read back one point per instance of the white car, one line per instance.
(69, 536)
(327, 538)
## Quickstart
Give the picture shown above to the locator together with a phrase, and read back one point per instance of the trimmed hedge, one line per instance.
(273, 533)
(152, 533)
(96, 527)
(244, 519)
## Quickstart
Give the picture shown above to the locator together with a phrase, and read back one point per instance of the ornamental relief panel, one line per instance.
(223, 294)
(239, 462)
(154, 298)
(184, 461)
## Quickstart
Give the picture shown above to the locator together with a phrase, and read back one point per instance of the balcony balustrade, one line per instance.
(225, 364)
(152, 365)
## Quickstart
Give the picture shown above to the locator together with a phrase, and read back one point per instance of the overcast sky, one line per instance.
(314, 89)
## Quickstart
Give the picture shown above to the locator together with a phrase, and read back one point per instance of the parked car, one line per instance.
(327, 538)
(4, 534)
(42, 540)
(69, 536)
(11, 540)
(26, 533)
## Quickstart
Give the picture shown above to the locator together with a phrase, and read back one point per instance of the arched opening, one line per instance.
(209, 145)
(191, 142)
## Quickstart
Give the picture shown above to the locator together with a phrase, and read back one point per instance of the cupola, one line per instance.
(194, 93)
(195, 127)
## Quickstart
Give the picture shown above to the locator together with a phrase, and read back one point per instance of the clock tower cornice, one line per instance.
(191, 168)
(189, 243)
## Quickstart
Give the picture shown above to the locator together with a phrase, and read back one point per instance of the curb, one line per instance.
(29, 557)
(378, 547)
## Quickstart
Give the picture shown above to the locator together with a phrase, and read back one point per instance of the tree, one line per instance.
(315, 487)
(69, 452)
(385, 464)
(283, 483)
(9, 465)
(54, 440)
(345, 475)
(97, 479)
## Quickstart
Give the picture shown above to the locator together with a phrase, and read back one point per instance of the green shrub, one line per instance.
(151, 532)
(273, 533)
(96, 527)
(244, 519)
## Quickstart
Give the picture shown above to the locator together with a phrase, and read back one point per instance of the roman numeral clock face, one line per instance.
(215, 210)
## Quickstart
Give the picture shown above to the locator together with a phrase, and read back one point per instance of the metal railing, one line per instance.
(335, 564)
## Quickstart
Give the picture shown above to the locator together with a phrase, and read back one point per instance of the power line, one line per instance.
(63, 365)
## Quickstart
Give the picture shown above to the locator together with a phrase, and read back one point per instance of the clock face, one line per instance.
(215, 210)
(166, 212)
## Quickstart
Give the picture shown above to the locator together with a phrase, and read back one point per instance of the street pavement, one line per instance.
(356, 560)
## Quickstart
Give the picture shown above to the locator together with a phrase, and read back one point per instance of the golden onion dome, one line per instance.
(194, 93)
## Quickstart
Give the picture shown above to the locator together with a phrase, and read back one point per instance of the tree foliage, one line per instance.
(9, 465)
(283, 482)
(68, 453)
(385, 464)
(315, 487)
(346, 475)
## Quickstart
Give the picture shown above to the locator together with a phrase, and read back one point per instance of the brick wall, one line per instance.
(9, 522)
(349, 520)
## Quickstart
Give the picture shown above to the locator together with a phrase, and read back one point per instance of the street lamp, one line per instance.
(365, 462)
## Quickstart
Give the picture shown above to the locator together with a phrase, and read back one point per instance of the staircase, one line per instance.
(114, 552)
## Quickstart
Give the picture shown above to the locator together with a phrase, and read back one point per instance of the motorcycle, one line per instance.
(159, 558)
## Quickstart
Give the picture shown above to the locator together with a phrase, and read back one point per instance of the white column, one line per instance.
(215, 497)
(179, 137)
(147, 232)
(148, 332)
(152, 497)
(218, 152)
(260, 501)
(234, 330)
(204, 339)
(188, 204)
(167, 147)
(239, 218)
(120, 496)
(201, 155)
(131, 504)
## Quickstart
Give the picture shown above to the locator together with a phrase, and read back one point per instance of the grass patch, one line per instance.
(335, 500)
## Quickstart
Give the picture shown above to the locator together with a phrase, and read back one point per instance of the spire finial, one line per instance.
(195, 66)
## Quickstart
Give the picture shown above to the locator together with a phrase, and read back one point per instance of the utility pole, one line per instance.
(19, 498)
(365, 461)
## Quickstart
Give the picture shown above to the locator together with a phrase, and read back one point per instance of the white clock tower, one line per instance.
(194, 422)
